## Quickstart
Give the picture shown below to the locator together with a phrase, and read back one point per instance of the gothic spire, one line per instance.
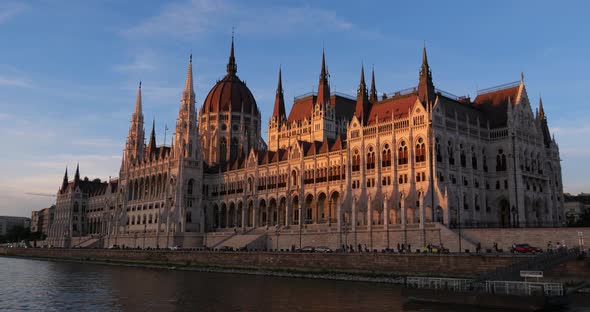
(541, 110)
(373, 96)
(232, 68)
(138, 107)
(64, 184)
(362, 99)
(279, 108)
(189, 90)
(323, 86)
(425, 85)
(77, 175)
(152, 144)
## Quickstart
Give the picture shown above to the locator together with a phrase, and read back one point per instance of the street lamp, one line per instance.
(277, 233)
(345, 230)
(300, 226)
(459, 226)
(144, 231)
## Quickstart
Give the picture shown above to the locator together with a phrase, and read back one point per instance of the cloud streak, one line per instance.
(8, 10)
(200, 16)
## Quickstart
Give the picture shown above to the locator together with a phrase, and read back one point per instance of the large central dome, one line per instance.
(230, 94)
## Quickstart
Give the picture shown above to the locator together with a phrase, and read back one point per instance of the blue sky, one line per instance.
(69, 69)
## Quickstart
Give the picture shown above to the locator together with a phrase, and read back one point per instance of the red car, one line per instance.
(525, 248)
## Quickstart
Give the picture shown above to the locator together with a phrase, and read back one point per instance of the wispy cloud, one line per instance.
(6, 81)
(199, 16)
(180, 19)
(9, 9)
(144, 61)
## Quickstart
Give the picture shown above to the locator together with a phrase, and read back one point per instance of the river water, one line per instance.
(35, 285)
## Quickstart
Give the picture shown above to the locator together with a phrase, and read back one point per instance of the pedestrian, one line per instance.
(403, 247)
(478, 247)
(366, 249)
(398, 248)
(549, 247)
(409, 248)
(495, 247)
(360, 248)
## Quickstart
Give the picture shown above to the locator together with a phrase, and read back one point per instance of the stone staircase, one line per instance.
(86, 242)
(450, 237)
(254, 238)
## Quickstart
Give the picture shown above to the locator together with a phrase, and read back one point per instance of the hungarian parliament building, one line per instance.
(335, 165)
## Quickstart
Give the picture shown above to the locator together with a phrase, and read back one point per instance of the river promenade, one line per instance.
(363, 264)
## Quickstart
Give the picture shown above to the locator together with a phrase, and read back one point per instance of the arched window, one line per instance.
(189, 217)
(371, 158)
(500, 161)
(451, 153)
(233, 152)
(402, 154)
(463, 157)
(386, 156)
(150, 219)
(190, 187)
(356, 161)
(420, 150)
(133, 220)
(222, 150)
(438, 151)
(190, 149)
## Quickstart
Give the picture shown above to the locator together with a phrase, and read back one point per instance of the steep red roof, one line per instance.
(399, 106)
(302, 108)
(324, 148)
(337, 145)
(494, 105)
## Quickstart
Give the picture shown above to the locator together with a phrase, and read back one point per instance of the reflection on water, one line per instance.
(33, 285)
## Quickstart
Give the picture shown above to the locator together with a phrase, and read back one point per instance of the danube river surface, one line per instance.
(34, 285)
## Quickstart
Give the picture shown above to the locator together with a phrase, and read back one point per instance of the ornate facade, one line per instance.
(333, 163)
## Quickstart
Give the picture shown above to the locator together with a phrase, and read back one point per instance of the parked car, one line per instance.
(525, 248)
(307, 249)
(175, 248)
(114, 247)
(323, 249)
(435, 249)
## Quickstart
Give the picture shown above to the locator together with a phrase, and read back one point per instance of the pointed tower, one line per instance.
(373, 97)
(278, 113)
(64, 183)
(77, 175)
(151, 148)
(134, 148)
(232, 68)
(186, 130)
(544, 125)
(425, 86)
(362, 99)
(323, 86)
(541, 110)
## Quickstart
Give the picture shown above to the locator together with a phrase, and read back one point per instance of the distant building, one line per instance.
(42, 219)
(7, 223)
(575, 205)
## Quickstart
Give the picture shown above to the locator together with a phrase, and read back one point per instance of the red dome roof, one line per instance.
(229, 95)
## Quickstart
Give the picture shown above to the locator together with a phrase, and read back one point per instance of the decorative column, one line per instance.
(385, 212)
(421, 211)
(369, 213)
(243, 217)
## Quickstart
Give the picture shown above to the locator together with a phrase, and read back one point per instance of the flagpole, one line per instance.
(165, 130)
